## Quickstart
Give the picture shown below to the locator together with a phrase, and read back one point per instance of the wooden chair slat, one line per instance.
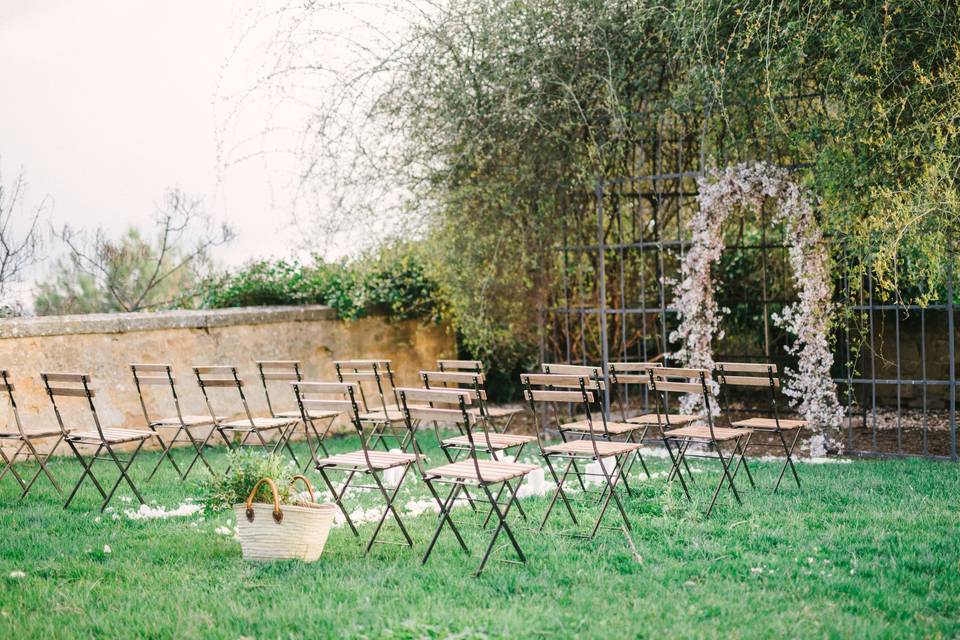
(449, 396)
(748, 381)
(681, 387)
(571, 369)
(631, 378)
(557, 380)
(68, 391)
(350, 376)
(278, 364)
(361, 363)
(633, 366)
(453, 376)
(215, 368)
(7, 386)
(746, 367)
(66, 377)
(557, 396)
(155, 368)
(465, 365)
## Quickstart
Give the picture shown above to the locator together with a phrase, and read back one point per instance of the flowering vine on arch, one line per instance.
(747, 186)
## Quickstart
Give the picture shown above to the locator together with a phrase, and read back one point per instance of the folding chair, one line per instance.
(764, 375)
(226, 377)
(497, 417)
(362, 461)
(77, 385)
(289, 371)
(664, 380)
(606, 429)
(383, 416)
(145, 375)
(580, 389)
(487, 442)
(25, 440)
(472, 472)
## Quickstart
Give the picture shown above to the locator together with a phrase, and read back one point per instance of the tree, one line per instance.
(134, 273)
(19, 239)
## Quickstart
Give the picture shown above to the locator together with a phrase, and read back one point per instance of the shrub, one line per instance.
(223, 490)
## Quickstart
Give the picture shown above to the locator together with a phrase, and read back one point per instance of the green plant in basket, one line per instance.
(223, 490)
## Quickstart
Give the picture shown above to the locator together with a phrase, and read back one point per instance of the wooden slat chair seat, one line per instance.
(493, 441)
(227, 378)
(190, 421)
(111, 435)
(580, 448)
(676, 419)
(316, 422)
(578, 386)
(769, 424)
(256, 424)
(696, 382)
(77, 386)
(377, 460)
(343, 398)
(388, 414)
(719, 434)
(490, 471)
(613, 428)
(24, 443)
(161, 375)
(761, 376)
(470, 472)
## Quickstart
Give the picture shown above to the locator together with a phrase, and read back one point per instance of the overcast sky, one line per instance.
(107, 103)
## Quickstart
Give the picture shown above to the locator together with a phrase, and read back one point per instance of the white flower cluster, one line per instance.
(747, 186)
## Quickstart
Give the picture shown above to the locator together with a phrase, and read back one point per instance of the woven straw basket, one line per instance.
(297, 532)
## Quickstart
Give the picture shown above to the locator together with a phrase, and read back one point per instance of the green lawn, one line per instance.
(867, 549)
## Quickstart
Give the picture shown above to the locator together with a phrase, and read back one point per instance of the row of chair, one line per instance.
(590, 437)
(454, 395)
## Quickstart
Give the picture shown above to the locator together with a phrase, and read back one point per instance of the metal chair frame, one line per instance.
(763, 375)
(162, 375)
(289, 371)
(361, 371)
(26, 442)
(578, 388)
(77, 385)
(472, 472)
(664, 380)
(476, 366)
(227, 377)
(370, 463)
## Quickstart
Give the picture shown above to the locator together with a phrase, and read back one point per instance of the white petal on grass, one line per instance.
(146, 512)
(107, 549)
(21, 574)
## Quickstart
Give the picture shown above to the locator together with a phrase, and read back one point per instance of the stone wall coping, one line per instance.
(156, 320)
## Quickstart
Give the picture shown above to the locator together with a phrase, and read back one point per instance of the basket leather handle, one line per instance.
(293, 481)
(277, 514)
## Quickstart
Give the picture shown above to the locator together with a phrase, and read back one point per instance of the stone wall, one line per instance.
(105, 345)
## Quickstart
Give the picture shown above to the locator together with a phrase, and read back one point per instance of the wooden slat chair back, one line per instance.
(282, 371)
(499, 418)
(60, 386)
(761, 376)
(25, 443)
(468, 366)
(153, 375)
(581, 388)
(344, 399)
(697, 382)
(226, 378)
(623, 375)
(450, 406)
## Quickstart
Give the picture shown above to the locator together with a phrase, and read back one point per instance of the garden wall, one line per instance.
(104, 345)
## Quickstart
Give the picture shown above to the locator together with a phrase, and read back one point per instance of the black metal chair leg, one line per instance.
(123, 474)
(558, 492)
(445, 506)
(789, 460)
(389, 498)
(338, 497)
(87, 470)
